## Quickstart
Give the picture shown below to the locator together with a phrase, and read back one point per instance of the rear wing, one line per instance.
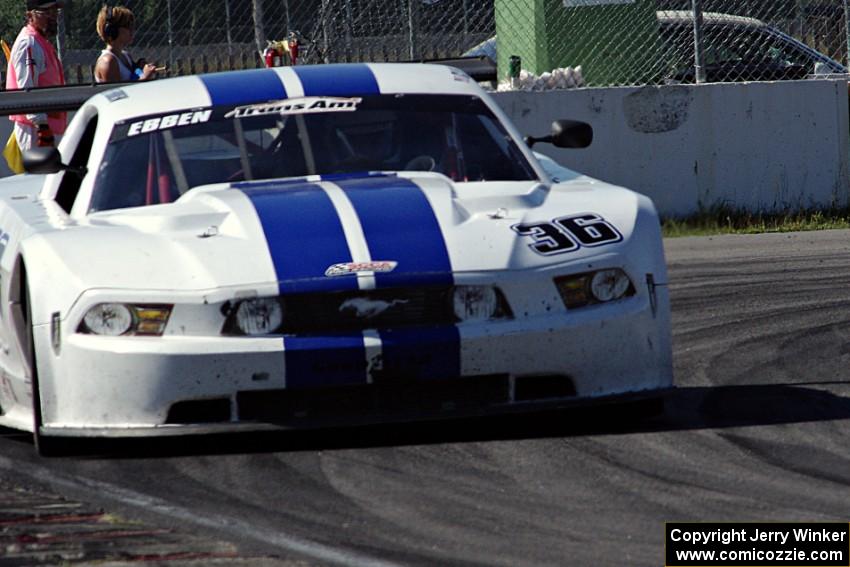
(49, 99)
(72, 97)
(480, 68)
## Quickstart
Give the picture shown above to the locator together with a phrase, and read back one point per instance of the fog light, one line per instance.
(475, 302)
(594, 287)
(574, 290)
(151, 320)
(259, 316)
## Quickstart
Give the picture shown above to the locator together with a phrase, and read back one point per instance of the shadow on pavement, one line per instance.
(686, 408)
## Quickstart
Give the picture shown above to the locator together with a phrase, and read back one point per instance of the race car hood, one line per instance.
(322, 234)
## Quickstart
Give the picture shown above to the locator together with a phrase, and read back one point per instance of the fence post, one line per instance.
(411, 28)
(227, 24)
(259, 26)
(286, 14)
(170, 37)
(847, 27)
(60, 37)
(699, 70)
(325, 41)
(349, 30)
(465, 23)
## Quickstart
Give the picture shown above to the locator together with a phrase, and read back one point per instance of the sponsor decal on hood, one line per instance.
(304, 105)
(353, 268)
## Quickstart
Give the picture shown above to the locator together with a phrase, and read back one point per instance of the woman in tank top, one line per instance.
(115, 26)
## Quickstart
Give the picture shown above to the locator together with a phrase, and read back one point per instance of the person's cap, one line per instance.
(44, 4)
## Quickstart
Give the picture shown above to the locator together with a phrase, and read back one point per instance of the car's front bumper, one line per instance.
(189, 429)
(172, 385)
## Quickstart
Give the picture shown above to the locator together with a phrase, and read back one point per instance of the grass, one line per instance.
(725, 220)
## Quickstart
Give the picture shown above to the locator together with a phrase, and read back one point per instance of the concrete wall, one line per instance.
(757, 146)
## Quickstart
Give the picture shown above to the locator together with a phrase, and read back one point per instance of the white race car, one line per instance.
(311, 246)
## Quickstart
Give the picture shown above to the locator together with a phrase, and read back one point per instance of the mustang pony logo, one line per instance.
(353, 268)
(368, 308)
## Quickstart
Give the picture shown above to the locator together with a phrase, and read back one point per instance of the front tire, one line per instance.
(44, 445)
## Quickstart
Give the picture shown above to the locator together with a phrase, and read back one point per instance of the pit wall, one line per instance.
(754, 146)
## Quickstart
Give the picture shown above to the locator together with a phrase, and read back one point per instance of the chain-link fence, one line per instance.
(634, 42)
(614, 42)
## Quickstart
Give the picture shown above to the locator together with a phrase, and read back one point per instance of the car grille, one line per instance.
(401, 399)
(373, 309)
(392, 398)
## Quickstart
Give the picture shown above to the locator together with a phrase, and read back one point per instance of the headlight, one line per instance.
(114, 319)
(259, 316)
(478, 303)
(594, 287)
(608, 285)
(108, 319)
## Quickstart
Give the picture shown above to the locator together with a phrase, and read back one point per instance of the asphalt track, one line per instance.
(757, 430)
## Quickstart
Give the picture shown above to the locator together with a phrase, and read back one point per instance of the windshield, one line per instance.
(154, 159)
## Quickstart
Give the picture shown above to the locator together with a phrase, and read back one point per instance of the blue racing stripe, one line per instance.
(400, 225)
(304, 236)
(337, 80)
(421, 354)
(243, 87)
(335, 360)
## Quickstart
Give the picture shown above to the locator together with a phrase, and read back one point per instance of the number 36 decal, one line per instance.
(567, 234)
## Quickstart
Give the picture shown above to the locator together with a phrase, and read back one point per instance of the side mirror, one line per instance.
(42, 160)
(566, 134)
(47, 160)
